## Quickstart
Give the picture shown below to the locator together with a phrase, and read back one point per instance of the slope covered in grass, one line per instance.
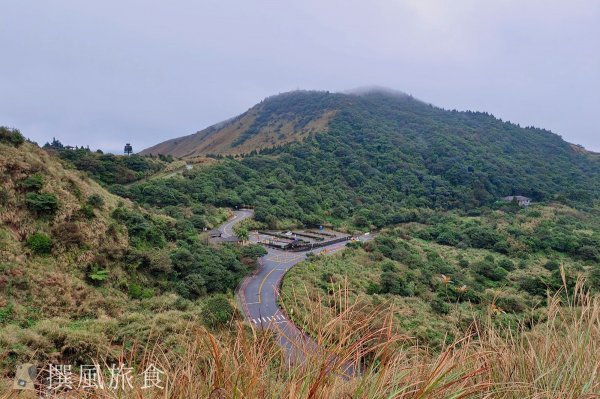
(82, 270)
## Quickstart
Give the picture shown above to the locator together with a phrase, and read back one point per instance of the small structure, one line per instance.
(128, 149)
(519, 199)
(214, 233)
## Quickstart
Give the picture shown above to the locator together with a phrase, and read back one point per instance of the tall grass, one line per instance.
(557, 358)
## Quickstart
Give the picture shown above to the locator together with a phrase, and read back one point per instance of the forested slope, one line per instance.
(382, 155)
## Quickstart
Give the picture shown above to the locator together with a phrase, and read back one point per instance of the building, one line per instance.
(522, 201)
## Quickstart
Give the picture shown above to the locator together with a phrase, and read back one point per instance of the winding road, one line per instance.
(258, 294)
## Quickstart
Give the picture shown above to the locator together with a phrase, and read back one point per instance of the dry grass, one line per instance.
(559, 358)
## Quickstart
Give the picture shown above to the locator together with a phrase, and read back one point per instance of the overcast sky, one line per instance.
(101, 73)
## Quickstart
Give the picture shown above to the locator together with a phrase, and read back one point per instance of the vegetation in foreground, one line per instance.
(556, 358)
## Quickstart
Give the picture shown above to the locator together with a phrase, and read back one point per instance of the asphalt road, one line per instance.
(259, 294)
(226, 228)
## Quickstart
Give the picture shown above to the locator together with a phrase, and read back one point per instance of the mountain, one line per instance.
(275, 121)
(378, 154)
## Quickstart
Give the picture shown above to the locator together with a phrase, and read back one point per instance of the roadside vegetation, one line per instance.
(554, 358)
(445, 272)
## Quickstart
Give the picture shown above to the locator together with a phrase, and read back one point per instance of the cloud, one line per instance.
(143, 71)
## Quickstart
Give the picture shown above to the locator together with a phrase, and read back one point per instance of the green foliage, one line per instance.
(108, 168)
(253, 251)
(39, 243)
(11, 136)
(35, 182)
(439, 306)
(382, 158)
(394, 283)
(136, 291)
(144, 230)
(97, 275)
(95, 201)
(3, 196)
(552, 265)
(6, 313)
(42, 204)
(87, 211)
(217, 311)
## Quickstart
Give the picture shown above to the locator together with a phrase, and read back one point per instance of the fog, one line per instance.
(105, 73)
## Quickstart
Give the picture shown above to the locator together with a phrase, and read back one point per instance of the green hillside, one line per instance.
(382, 155)
(84, 272)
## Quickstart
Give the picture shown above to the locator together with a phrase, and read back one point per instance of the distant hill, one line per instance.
(275, 121)
(376, 153)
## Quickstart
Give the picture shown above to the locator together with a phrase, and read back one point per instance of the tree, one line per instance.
(11, 136)
(243, 234)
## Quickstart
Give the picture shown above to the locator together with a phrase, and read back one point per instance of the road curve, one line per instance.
(226, 228)
(258, 294)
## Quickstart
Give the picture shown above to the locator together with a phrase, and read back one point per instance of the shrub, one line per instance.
(217, 311)
(552, 265)
(95, 201)
(87, 211)
(3, 196)
(39, 243)
(393, 283)
(194, 286)
(11, 136)
(97, 275)
(507, 264)
(42, 203)
(588, 252)
(439, 306)
(136, 291)
(33, 182)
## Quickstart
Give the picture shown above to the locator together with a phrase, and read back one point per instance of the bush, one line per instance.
(95, 201)
(136, 291)
(588, 252)
(87, 211)
(393, 283)
(97, 275)
(507, 264)
(217, 311)
(33, 182)
(194, 286)
(552, 265)
(11, 136)
(39, 243)
(42, 203)
(3, 196)
(439, 306)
